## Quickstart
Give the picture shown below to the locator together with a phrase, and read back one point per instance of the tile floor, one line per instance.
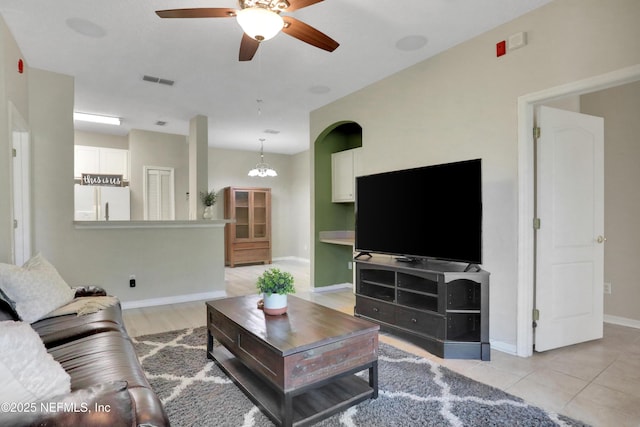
(596, 382)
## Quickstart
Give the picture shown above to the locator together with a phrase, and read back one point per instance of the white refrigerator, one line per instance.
(98, 203)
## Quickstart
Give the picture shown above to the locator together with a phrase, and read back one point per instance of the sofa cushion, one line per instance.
(29, 373)
(110, 356)
(103, 357)
(36, 288)
(57, 330)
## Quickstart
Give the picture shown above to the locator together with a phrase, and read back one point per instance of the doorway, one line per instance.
(21, 187)
(526, 186)
(159, 193)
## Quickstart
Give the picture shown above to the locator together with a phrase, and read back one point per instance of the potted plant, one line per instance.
(274, 286)
(208, 200)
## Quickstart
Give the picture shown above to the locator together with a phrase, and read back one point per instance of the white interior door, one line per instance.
(569, 242)
(159, 193)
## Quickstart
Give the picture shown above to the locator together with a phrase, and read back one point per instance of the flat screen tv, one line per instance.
(426, 212)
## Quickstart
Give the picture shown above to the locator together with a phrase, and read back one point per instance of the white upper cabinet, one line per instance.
(114, 161)
(86, 160)
(101, 160)
(345, 166)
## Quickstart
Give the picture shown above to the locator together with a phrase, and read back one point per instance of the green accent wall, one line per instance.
(331, 261)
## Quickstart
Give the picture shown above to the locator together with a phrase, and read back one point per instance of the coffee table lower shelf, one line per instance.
(310, 404)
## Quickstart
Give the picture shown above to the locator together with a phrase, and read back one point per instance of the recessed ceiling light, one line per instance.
(319, 89)
(86, 28)
(95, 118)
(410, 43)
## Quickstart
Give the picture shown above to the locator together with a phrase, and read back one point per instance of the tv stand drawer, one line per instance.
(375, 309)
(418, 321)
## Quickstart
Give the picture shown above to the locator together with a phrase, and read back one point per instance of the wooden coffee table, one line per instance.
(299, 367)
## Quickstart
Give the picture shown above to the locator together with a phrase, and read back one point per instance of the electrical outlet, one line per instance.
(132, 281)
(607, 288)
(350, 265)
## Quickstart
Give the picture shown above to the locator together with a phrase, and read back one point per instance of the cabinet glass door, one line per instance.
(241, 203)
(259, 215)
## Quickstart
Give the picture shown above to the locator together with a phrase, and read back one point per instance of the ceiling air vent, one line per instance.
(158, 80)
(272, 131)
(161, 123)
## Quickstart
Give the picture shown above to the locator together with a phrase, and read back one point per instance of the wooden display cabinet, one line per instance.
(248, 237)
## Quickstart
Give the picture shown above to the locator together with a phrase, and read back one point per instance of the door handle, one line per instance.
(601, 239)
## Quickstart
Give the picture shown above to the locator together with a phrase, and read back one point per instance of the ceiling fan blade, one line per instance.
(248, 48)
(205, 12)
(299, 4)
(308, 34)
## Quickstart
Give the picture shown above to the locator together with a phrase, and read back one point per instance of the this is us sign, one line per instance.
(101, 179)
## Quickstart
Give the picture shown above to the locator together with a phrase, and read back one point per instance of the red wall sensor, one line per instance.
(20, 66)
(501, 48)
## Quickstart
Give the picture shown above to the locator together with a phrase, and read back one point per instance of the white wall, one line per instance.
(301, 205)
(462, 104)
(93, 139)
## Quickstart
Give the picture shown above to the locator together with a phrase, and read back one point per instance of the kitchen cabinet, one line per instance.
(345, 166)
(101, 160)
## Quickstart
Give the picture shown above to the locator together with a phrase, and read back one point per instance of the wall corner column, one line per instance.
(198, 164)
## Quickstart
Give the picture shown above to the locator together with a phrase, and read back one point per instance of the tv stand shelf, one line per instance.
(437, 305)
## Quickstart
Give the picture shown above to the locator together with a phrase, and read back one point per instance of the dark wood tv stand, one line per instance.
(436, 305)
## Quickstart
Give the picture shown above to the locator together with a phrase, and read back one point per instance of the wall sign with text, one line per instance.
(101, 179)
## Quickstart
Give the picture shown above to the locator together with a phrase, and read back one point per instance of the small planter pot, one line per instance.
(208, 212)
(275, 304)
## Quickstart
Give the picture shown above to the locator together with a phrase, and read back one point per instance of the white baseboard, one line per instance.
(332, 288)
(175, 299)
(622, 321)
(292, 258)
(503, 347)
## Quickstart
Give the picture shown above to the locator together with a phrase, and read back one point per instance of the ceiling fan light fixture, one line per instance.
(260, 23)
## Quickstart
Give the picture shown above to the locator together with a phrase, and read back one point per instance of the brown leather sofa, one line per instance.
(108, 385)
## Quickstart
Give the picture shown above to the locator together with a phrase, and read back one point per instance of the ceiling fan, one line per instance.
(261, 20)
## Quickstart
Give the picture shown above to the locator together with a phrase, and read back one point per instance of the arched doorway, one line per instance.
(331, 262)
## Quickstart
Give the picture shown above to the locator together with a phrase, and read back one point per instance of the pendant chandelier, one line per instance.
(262, 169)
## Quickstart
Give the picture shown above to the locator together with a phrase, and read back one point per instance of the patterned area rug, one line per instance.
(413, 391)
